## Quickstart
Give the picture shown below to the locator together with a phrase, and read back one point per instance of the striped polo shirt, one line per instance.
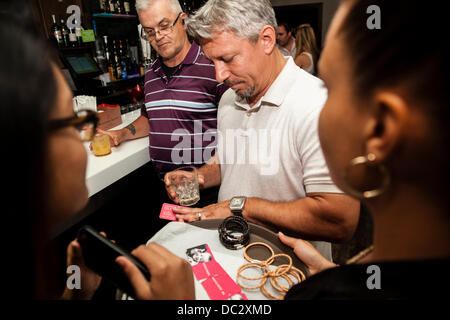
(182, 111)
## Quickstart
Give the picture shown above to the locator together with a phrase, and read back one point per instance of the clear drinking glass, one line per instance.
(184, 181)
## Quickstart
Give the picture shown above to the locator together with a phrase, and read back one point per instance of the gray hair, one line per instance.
(145, 4)
(245, 18)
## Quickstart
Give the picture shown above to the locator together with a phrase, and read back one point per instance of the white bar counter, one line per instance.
(123, 159)
(103, 172)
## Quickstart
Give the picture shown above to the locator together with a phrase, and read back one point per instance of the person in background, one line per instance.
(306, 46)
(384, 132)
(272, 103)
(181, 95)
(286, 42)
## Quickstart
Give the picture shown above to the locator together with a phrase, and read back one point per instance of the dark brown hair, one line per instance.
(409, 52)
(27, 96)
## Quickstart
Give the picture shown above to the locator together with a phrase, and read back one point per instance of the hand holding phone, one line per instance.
(100, 253)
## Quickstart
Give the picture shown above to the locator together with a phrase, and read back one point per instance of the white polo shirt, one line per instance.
(272, 150)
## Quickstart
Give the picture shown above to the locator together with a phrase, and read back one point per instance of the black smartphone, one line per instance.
(100, 253)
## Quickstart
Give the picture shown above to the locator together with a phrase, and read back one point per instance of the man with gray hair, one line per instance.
(271, 104)
(181, 94)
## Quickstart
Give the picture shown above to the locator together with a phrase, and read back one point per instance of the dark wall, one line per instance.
(295, 15)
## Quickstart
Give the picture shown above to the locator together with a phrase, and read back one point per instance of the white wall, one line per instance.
(329, 8)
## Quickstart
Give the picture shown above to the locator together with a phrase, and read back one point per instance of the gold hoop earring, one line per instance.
(370, 161)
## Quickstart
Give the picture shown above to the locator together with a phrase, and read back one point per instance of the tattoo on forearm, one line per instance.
(132, 129)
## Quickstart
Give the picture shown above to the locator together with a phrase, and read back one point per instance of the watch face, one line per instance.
(236, 202)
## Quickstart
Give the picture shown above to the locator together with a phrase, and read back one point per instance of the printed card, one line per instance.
(167, 213)
(203, 263)
(217, 283)
(222, 287)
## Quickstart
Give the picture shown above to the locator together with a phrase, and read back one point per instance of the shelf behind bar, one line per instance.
(114, 15)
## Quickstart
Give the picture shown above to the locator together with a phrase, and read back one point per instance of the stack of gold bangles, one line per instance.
(285, 271)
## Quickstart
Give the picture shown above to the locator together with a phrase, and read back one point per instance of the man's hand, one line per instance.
(170, 191)
(171, 277)
(219, 210)
(307, 254)
(116, 137)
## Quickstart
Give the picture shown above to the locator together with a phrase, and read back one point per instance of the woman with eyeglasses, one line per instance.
(43, 166)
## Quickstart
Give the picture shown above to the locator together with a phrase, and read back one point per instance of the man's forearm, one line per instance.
(331, 217)
(211, 173)
(138, 129)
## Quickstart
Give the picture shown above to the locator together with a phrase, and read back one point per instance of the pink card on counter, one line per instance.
(222, 287)
(207, 270)
(167, 213)
(217, 283)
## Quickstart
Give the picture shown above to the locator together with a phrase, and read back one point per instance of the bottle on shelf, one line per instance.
(99, 50)
(65, 34)
(111, 6)
(104, 6)
(111, 69)
(118, 7)
(56, 31)
(72, 38)
(78, 28)
(126, 7)
(125, 59)
(117, 62)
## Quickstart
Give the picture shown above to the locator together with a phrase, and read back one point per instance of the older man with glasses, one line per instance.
(181, 94)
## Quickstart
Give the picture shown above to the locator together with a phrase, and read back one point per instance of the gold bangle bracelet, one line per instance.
(257, 244)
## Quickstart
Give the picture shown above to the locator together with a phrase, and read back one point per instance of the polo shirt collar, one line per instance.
(193, 54)
(191, 58)
(277, 91)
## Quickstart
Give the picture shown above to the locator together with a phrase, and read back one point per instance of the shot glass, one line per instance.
(101, 145)
(184, 181)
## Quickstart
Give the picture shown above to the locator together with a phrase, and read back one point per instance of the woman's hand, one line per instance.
(90, 281)
(307, 254)
(171, 277)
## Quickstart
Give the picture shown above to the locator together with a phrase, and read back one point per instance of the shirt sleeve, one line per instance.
(316, 177)
(144, 111)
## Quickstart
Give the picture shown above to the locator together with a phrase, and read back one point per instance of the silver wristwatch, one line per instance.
(237, 205)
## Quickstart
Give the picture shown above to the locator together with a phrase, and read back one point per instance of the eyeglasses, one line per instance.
(85, 121)
(149, 34)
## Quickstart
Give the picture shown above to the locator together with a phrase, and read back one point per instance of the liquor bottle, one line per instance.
(56, 32)
(72, 38)
(118, 7)
(117, 62)
(118, 66)
(126, 7)
(65, 34)
(106, 47)
(111, 6)
(111, 69)
(99, 50)
(124, 60)
(104, 6)
(78, 29)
